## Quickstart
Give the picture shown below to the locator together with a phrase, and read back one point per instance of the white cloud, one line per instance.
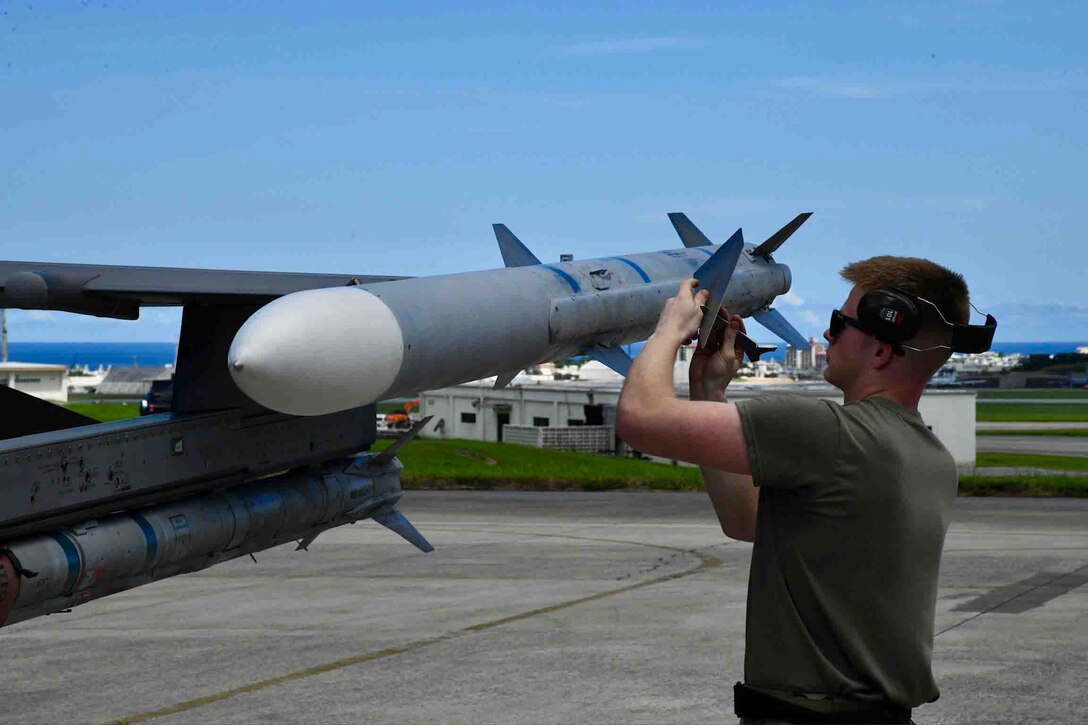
(811, 317)
(792, 299)
(869, 88)
(40, 315)
(618, 46)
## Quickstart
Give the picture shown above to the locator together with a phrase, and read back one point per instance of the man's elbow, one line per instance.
(740, 532)
(634, 425)
(628, 426)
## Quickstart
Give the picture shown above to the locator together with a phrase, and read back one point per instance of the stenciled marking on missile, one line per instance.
(706, 562)
(151, 537)
(566, 277)
(72, 555)
(632, 265)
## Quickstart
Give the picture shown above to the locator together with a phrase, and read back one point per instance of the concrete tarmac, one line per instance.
(535, 608)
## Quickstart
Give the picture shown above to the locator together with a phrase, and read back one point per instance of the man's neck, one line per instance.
(905, 395)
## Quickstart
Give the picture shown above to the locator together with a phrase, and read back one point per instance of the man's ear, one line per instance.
(882, 356)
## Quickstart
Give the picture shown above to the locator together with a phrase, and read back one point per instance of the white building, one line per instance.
(476, 411)
(812, 358)
(48, 382)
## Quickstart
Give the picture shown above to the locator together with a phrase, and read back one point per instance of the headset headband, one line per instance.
(966, 338)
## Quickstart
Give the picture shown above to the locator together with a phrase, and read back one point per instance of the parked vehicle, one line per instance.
(159, 399)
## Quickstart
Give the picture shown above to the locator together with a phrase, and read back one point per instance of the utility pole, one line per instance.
(3, 335)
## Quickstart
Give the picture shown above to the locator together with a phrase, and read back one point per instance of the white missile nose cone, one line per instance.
(318, 352)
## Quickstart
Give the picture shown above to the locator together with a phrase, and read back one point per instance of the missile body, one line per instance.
(321, 351)
(53, 572)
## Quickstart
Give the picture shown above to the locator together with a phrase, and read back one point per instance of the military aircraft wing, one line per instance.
(119, 291)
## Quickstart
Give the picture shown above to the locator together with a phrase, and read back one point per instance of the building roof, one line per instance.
(22, 367)
(136, 373)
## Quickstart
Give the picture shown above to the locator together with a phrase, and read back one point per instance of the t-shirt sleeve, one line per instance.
(792, 441)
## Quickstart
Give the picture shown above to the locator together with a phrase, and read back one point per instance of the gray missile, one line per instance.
(64, 568)
(321, 351)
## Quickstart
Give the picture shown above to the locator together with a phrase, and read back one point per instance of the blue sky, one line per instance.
(387, 137)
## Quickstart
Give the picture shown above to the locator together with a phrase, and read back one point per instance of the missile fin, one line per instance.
(391, 452)
(779, 325)
(776, 240)
(503, 379)
(753, 348)
(394, 520)
(614, 357)
(514, 253)
(689, 233)
(714, 275)
(750, 347)
(304, 544)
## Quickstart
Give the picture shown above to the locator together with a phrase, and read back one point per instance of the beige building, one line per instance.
(48, 382)
(812, 358)
(478, 412)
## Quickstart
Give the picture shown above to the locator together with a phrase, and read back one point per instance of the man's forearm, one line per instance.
(650, 376)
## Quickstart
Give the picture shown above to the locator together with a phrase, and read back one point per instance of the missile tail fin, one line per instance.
(776, 240)
(387, 455)
(613, 357)
(779, 325)
(394, 520)
(689, 233)
(503, 379)
(514, 253)
(714, 275)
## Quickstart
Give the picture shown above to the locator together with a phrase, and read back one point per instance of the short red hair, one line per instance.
(919, 277)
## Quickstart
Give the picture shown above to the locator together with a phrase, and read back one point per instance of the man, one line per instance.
(847, 505)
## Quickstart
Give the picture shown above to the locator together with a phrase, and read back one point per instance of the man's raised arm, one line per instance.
(704, 431)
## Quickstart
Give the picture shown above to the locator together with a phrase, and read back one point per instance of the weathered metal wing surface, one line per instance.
(115, 291)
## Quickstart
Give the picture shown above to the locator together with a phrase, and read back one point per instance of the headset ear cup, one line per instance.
(889, 315)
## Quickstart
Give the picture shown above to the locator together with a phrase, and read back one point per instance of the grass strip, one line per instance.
(1043, 486)
(1032, 412)
(461, 464)
(1033, 394)
(481, 465)
(1031, 460)
(105, 412)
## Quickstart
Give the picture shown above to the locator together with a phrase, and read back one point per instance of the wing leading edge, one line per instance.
(119, 292)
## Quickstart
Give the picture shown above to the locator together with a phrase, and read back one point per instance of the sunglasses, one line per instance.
(839, 321)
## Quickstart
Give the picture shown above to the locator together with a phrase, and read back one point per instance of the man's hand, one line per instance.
(680, 319)
(712, 369)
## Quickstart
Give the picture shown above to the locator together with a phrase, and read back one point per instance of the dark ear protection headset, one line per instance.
(895, 316)
(889, 315)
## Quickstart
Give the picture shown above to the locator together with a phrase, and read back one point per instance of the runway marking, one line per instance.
(1028, 594)
(706, 562)
(1036, 590)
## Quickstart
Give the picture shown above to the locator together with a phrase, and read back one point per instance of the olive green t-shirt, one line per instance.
(854, 503)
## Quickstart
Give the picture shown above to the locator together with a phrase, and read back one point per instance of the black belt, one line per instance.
(749, 702)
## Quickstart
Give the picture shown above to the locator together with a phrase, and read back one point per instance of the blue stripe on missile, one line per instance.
(152, 540)
(566, 277)
(632, 265)
(72, 554)
(704, 250)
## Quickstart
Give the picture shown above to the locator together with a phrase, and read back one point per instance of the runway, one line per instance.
(1047, 445)
(536, 607)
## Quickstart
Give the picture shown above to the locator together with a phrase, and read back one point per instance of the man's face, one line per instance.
(847, 353)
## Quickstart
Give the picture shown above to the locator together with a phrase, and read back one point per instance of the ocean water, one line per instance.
(94, 354)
